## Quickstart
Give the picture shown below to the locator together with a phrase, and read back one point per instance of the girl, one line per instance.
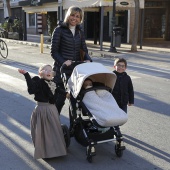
(46, 131)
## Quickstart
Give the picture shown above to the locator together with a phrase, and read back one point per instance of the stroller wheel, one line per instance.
(66, 135)
(90, 152)
(119, 149)
(79, 135)
(89, 158)
(71, 131)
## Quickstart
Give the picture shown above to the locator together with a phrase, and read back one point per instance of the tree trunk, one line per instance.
(8, 7)
(136, 26)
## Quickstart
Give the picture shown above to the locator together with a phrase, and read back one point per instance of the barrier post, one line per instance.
(41, 43)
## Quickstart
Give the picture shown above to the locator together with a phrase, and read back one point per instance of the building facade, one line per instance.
(157, 19)
(16, 10)
(37, 13)
(93, 17)
(36, 9)
(154, 21)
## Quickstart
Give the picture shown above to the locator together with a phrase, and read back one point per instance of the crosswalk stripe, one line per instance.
(20, 84)
(132, 77)
(16, 69)
(13, 82)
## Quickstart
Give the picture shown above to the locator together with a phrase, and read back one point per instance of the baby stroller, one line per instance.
(83, 125)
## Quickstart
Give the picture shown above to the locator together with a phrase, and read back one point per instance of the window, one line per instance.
(154, 4)
(31, 20)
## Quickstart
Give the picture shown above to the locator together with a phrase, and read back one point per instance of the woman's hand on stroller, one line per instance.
(70, 62)
(67, 62)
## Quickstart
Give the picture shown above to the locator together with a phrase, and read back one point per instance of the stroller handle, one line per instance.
(62, 67)
(67, 70)
(73, 64)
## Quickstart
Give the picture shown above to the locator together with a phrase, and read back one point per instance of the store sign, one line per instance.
(36, 2)
(124, 3)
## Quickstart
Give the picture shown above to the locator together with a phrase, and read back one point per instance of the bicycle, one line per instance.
(3, 49)
(2, 33)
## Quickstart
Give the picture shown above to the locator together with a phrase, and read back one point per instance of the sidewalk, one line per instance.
(159, 47)
(150, 45)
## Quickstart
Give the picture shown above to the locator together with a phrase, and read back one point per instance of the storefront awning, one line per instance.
(98, 3)
(46, 7)
(39, 6)
(35, 2)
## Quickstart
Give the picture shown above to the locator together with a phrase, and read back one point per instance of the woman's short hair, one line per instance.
(72, 10)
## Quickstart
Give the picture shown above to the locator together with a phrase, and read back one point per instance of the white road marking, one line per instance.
(13, 82)
(132, 77)
(20, 84)
(16, 69)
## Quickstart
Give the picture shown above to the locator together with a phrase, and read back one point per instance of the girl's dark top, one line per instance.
(123, 90)
(41, 90)
(65, 46)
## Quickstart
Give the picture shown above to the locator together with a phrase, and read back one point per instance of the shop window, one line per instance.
(154, 4)
(31, 22)
(155, 23)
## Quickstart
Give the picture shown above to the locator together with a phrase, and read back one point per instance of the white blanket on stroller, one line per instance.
(104, 108)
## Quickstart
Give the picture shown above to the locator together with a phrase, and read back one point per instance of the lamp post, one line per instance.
(60, 10)
(112, 44)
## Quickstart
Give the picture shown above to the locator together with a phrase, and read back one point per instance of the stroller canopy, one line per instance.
(95, 71)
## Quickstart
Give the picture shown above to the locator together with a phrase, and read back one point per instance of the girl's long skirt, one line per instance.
(46, 132)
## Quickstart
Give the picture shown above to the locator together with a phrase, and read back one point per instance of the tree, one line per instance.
(8, 7)
(135, 29)
(51, 21)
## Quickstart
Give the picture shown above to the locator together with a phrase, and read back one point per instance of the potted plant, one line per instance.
(17, 28)
(13, 28)
(4, 30)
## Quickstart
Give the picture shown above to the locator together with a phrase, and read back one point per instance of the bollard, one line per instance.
(41, 43)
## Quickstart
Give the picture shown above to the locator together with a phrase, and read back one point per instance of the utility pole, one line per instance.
(60, 10)
(7, 8)
(113, 36)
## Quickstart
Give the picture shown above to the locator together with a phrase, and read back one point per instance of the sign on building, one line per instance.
(36, 2)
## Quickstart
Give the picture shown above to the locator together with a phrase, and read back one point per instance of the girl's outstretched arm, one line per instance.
(22, 71)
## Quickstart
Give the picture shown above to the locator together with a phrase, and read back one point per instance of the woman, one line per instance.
(67, 40)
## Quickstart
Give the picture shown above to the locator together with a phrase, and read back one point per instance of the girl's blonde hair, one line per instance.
(72, 10)
(42, 67)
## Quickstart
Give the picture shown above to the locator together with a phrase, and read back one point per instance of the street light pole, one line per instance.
(60, 10)
(112, 44)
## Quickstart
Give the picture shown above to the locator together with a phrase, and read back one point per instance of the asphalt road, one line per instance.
(146, 134)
